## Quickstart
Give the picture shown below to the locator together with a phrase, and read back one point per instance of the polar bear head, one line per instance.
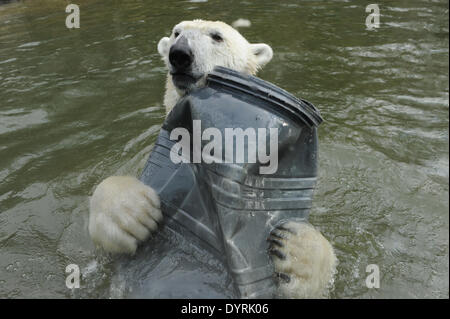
(196, 47)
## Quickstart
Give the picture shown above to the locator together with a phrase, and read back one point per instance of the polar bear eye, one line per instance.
(216, 37)
(176, 34)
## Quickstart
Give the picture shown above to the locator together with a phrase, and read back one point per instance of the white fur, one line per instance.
(310, 262)
(123, 211)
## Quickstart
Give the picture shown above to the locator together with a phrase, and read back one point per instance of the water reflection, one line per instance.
(79, 105)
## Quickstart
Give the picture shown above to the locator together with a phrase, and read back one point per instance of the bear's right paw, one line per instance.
(304, 260)
(123, 211)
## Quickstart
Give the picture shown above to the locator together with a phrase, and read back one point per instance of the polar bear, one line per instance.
(124, 211)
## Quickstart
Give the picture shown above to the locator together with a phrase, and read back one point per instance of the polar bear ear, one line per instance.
(163, 46)
(262, 52)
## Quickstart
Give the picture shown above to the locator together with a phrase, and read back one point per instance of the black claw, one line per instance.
(282, 228)
(284, 277)
(276, 242)
(278, 235)
(277, 253)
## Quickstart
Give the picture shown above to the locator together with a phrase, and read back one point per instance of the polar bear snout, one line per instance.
(180, 56)
(181, 60)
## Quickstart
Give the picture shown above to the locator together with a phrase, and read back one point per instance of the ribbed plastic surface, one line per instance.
(230, 207)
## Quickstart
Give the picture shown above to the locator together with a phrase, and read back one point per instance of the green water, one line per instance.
(79, 105)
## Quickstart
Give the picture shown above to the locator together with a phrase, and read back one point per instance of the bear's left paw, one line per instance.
(304, 260)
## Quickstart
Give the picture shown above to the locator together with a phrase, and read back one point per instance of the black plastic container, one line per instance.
(232, 207)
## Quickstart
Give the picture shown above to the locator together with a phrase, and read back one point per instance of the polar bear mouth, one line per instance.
(184, 81)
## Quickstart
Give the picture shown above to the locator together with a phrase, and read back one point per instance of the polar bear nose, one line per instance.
(180, 54)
